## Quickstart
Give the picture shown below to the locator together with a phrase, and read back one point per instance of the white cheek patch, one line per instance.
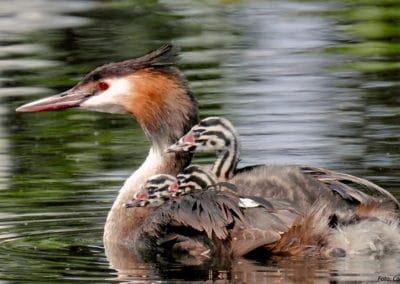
(111, 100)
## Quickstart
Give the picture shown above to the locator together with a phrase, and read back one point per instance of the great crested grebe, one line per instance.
(217, 134)
(196, 219)
(152, 89)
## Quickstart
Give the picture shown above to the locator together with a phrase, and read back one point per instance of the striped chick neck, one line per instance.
(219, 135)
(212, 134)
(195, 178)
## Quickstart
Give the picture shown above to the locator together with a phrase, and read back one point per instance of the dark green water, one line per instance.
(313, 82)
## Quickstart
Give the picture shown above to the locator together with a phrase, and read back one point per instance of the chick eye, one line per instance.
(102, 86)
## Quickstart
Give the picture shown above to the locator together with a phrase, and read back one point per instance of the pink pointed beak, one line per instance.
(67, 99)
(183, 145)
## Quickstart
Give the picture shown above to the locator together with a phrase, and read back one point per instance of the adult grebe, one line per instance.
(151, 89)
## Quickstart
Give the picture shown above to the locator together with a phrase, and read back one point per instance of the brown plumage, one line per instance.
(215, 223)
(205, 223)
(309, 235)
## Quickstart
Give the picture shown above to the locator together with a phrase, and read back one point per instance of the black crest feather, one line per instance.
(160, 58)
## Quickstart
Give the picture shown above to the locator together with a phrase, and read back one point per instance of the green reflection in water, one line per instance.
(373, 29)
(371, 48)
(68, 166)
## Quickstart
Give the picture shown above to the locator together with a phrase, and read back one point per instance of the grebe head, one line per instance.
(195, 178)
(212, 134)
(150, 88)
(154, 192)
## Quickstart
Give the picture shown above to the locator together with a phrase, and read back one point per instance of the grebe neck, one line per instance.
(227, 160)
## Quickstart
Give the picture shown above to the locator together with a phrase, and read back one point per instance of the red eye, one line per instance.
(102, 86)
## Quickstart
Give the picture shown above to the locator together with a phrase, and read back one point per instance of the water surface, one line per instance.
(312, 82)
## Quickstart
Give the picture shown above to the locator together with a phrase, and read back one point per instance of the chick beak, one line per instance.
(133, 203)
(185, 144)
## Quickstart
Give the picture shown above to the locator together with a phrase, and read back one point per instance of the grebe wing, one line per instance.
(341, 184)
